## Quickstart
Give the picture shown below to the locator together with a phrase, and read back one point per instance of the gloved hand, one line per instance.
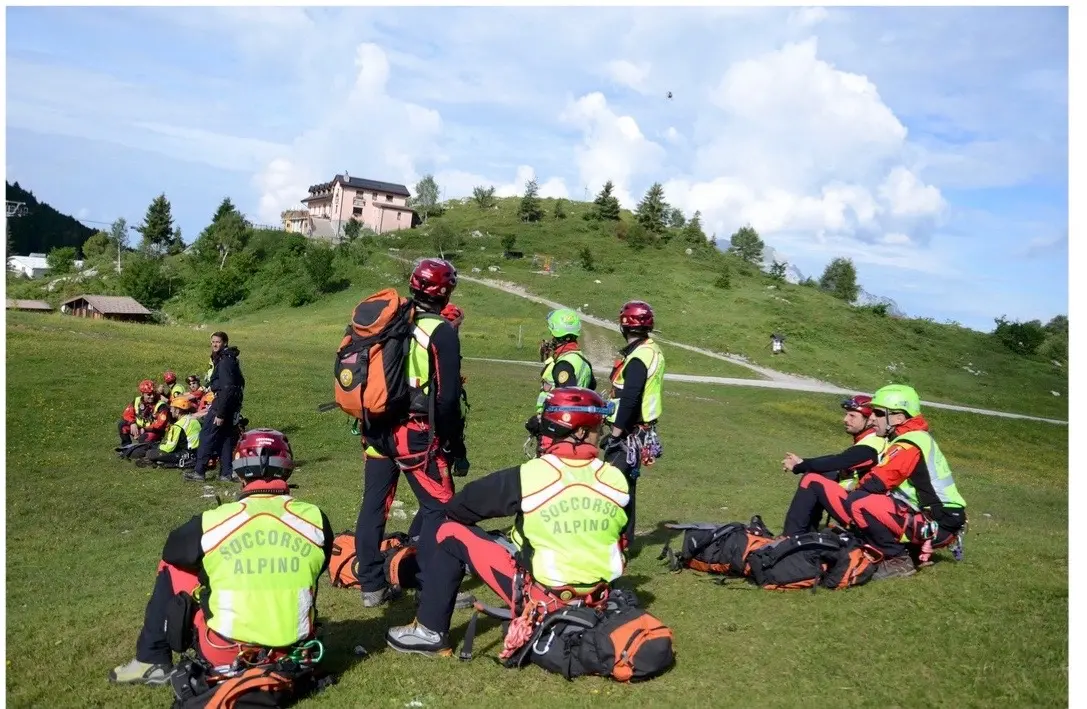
(460, 467)
(533, 425)
(455, 449)
(611, 444)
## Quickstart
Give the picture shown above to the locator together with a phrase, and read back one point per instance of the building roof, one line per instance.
(112, 304)
(14, 304)
(32, 261)
(363, 184)
(295, 214)
(390, 205)
(37, 261)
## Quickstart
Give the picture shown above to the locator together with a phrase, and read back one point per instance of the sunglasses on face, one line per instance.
(879, 413)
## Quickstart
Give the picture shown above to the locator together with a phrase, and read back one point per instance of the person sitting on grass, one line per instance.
(182, 437)
(568, 530)
(828, 479)
(250, 568)
(909, 503)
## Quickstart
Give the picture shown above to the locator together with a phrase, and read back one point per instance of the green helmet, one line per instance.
(563, 322)
(897, 397)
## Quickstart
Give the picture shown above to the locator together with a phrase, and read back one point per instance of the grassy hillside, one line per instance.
(84, 531)
(826, 338)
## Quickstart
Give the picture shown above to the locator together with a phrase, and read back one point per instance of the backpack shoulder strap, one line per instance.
(722, 531)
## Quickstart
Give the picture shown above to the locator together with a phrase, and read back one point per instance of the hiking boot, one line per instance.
(418, 639)
(232, 478)
(137, 672)
(464, 600)
(192, 476)
(372, 599)
(895, 567)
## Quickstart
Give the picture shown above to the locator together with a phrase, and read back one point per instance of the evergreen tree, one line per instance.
(652, 211)
(746, 244)
(157, 229)
(840, 279)
(692, 232)
(530, 209)
(606, 205)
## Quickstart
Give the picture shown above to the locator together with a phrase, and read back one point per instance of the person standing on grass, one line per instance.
(566, 367)
(427, 446)
(828, 479)
(637, 401)
(219, 427)
(909, 501)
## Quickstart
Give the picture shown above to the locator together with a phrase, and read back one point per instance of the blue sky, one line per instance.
(928, 144)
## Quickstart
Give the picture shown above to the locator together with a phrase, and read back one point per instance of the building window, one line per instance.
(357, 211)
(373, 195)
(388, 198)
(398, 216)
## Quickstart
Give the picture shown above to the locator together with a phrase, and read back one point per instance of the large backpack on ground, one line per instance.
(720, 549)
(401, 565)
(370, 371)
(276, 685)
(621, 641)
(831, 559)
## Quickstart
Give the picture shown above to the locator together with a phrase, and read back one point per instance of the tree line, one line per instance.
(229, 261)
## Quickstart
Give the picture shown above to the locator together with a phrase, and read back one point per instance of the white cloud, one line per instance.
(807, 16)
(672, 135)
(83, 213)
(366, 131)
(896, 238)
(801, 149)
(628, 74)
(457, 183)
(613, 147)
(907, 196)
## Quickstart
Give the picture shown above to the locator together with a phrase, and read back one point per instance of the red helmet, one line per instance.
(263, 453)
(571, 408)
(453, 314)
(147, 387)
(169, 377)
(636, 315)
(433, 278)
(861, 403)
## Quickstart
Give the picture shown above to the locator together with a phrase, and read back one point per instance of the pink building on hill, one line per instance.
(379, 206)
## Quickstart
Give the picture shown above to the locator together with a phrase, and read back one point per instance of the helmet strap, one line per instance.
(264, 486)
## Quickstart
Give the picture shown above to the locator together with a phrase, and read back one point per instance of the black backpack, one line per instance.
(830, 559)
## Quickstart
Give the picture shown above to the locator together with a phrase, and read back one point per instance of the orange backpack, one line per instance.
(401, 565)
(629, 646)
(370, 371)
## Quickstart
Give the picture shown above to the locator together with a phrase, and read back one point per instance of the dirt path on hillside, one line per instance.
(787, 386)
(605, 352)
(601, 354)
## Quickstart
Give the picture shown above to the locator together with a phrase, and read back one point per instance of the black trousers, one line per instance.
(217, 441)
(432, 487)
(155, 455)
(618, 458)
(151, 646)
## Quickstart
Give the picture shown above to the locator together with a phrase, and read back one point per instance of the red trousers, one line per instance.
(814, 494)
(493, 563)
(892, 526)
